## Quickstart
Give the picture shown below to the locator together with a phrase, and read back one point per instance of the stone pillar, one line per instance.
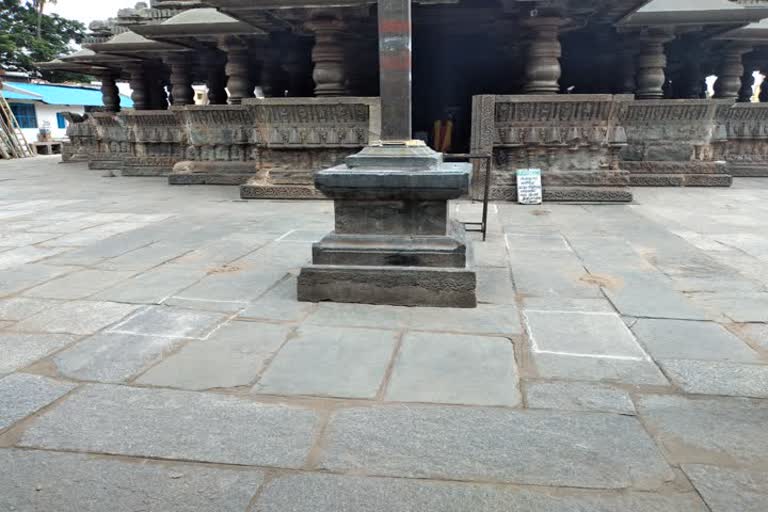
(651, 62)
(138, 82)
(298, 66)
(747, 81)
(729, 72)
(110, 94)
(764, 88)
(216, 77)
(239, 82)
(627, 83)
(181, 79)
(328, 56)
(542, 68)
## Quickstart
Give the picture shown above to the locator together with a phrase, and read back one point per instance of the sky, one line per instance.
(87, 11)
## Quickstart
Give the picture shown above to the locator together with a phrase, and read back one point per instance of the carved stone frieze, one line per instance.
(81, 132)
(157, 139)
(113, 144)
(575, 140)
(742, 138)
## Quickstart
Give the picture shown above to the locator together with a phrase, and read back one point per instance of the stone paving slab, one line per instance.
(19, 308)
(718, 378)
(589, 450)
(559, 274)
(757, 333)
(170, 322)
(151, 287)
(279, 304)
(639, 372)
(730, 489)
(708, 431)
(145, 257)
(680, 339)
(578, 396)
(554, 303)
(66, 482)
(76, 317)
(181, 425)
(349, 363)
(112, 357)
(580, 334)
(17, 279)
(78, 285)
(457, 369)
(233, 284)
(233, 356)
(22, 255)
(333, 493)
(22, 394)
(494, 286)
(20, 350)
(743, 307)
(651, 296)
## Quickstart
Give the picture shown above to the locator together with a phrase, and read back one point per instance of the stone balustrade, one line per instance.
(157, 142)
(113, 142)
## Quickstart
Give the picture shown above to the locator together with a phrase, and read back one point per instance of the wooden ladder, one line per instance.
(13, 144)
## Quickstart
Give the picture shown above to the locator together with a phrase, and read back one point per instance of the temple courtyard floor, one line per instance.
(153, 357)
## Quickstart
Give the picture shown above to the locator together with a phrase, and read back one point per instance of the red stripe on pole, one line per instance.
(400, 62)
(394, 26)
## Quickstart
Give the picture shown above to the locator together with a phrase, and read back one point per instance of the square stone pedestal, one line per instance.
(393, 242)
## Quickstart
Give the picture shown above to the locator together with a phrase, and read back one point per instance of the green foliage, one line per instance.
(20, 46)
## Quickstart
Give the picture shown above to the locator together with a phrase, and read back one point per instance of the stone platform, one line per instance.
(616, 361)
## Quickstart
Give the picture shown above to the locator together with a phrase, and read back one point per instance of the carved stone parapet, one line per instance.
(81, 134)
(742, 139)
(542, 69)
(157, 139)
(328, 56)
(575, 140)
(113, 142)
(296, 137)
(216, 132)
(681, 133)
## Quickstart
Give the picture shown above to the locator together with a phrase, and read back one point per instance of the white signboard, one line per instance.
(529, 186)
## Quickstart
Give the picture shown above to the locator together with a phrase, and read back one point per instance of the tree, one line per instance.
(20, 46)
(39, 6)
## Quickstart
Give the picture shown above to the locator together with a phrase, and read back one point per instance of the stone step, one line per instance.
(656, 167)
(681, 180)
(748, 170)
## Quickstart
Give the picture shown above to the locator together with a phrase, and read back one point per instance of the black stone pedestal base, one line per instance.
(394, 286)
(394, 242)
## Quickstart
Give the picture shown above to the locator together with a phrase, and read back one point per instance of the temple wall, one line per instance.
(574, 139)
(742, 139)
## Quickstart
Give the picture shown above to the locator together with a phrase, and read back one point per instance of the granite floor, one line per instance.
(153, 357)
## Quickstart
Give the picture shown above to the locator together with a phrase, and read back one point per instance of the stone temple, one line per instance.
(601, 95)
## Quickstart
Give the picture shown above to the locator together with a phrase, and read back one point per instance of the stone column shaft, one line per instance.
(542, 68)
(237, 70)
(729, 73)
(328, 56)
(216, 77)
(181, 80)
(110, 94)
(139, 89)
(651, 64)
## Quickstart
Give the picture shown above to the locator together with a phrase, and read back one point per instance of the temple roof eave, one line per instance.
(684, 12)
(194, 23)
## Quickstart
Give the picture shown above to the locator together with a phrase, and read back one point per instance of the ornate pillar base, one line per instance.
(394, 242)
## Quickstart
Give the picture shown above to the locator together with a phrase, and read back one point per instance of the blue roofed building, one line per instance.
(39, 106)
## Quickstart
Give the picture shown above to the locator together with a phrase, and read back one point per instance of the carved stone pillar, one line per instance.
(729, 72)
(651, 63)
(216, 77)
(328, 56)
(237, 70)
(138, 82)
(630, 50)
(181, 79)
(542, 69)
(763, 97)
(747, 81)
(110, 94)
